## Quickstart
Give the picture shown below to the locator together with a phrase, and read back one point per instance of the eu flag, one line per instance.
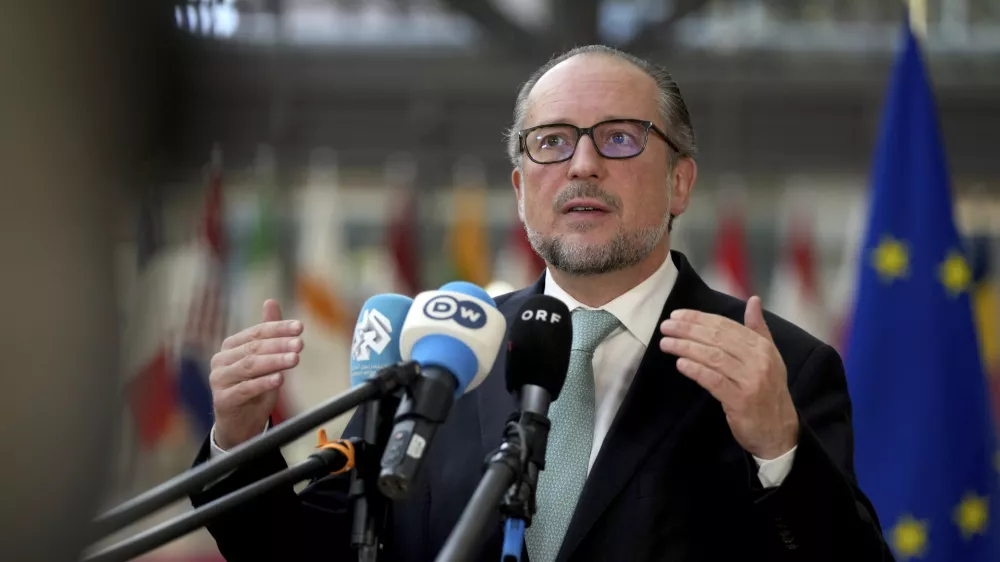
(926, 452)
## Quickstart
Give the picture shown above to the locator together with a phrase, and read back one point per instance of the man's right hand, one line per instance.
(247, 373)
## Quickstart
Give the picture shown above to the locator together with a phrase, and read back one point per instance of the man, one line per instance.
(702, 429)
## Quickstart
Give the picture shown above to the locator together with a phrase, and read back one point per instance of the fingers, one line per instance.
(739, 343)
(227, 357)
(753, 318)
(719, 386)
(265, 330)
(251, 367)
(706, 319)
(272, 311)
(712, 357)
(245, 391)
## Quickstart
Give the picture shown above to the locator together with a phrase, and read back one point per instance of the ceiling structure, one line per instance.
(770, 93)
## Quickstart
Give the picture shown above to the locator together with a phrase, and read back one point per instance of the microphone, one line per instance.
(538, 353)
(537, 362)
(454, 334)
(375, 346)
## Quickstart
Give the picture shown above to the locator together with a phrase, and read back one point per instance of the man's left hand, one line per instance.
(740, 366)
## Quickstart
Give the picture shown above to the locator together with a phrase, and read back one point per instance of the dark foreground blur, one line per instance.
(336, 149)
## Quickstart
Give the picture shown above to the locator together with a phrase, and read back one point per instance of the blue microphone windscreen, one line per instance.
(470, 289)
(449, 353)
(376, 335)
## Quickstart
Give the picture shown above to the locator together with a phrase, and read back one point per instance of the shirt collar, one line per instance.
(638, 309)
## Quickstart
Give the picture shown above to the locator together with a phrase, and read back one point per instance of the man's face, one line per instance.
(632, 197)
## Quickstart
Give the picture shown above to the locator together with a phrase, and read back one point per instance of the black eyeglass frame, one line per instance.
(589, 131)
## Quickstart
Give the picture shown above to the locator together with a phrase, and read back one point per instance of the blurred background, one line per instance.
(322, 151)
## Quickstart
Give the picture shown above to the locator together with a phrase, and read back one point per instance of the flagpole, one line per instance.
(918, 17)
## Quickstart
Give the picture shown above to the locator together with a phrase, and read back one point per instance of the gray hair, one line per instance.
(671, 104)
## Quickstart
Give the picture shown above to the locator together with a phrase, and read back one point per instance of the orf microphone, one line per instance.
(454, 334)
(538, 352)
(375, 346)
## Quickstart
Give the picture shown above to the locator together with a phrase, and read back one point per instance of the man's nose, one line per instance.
(586, 161)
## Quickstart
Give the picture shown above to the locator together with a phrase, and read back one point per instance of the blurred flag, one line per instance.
(321, 275)
(926, 451)
(206, 322)
(728, 272)
(403, 234)
(795, 291)
(150, 387)
(260, 275)
(840, 300)
(986, 305)
(468, 240)
(517, 265)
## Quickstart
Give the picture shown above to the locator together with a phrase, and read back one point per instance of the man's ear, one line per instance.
(515, 180)
(684, 174)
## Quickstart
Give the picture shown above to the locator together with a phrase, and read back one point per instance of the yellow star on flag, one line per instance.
(909, 538)
(955, 273)
(891, 259)
(972, 515)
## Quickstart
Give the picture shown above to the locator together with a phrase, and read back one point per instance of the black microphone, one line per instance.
(538, 351)
(537, 362)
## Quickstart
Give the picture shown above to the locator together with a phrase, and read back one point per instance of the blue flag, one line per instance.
(926, 452)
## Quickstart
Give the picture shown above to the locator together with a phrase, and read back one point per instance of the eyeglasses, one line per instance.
(616, 139)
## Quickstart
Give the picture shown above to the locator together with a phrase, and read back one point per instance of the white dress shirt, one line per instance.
(617, 358)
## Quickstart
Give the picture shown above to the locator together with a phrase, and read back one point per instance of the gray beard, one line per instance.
(625, 249)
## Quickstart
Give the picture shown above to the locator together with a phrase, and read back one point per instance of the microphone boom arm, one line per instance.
(504, 469)
(321, 462)
(386, 381)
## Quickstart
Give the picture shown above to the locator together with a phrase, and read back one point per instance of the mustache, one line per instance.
(588, 189)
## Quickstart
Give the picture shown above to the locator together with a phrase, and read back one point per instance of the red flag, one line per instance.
(152, 397)
(404, 242)
(728, 271)
(795, 293)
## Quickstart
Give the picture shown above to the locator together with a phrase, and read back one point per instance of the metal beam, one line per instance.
(507, 35)
(575, 22)
(655, 35)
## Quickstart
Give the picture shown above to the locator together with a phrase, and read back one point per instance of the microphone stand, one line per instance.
(370, 507)
(384, 382)
(508, 485)
(518, 505)
(330, 458)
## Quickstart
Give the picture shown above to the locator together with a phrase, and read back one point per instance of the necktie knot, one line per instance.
(591, 327)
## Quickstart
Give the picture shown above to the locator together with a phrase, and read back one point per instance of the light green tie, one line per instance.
(570, 439)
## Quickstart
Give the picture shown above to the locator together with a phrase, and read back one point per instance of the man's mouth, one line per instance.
(584, 206)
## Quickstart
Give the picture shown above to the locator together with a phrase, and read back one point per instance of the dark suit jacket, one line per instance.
(670, 482)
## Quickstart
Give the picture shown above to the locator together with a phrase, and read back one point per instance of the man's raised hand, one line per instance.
(247, 373)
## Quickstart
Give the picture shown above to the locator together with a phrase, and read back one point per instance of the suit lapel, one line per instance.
(495, 403)
(658, 400)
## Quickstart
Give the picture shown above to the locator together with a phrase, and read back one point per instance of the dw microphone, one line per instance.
(454, 334)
